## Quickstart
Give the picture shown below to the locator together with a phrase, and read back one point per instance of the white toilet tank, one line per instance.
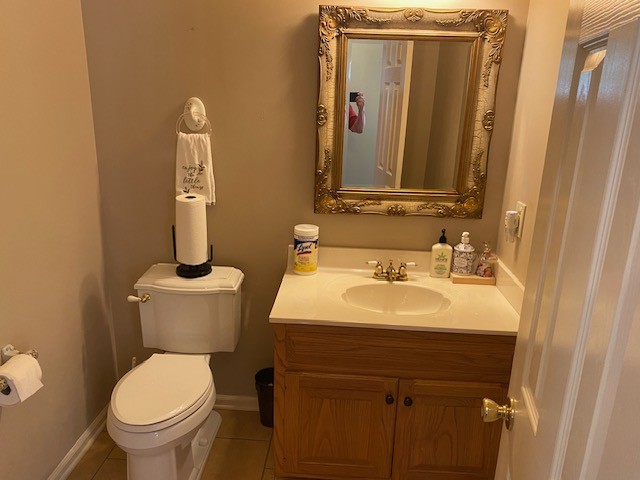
(190, 315)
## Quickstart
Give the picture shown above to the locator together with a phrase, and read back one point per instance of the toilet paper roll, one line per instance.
(23, 374)
(191, 229)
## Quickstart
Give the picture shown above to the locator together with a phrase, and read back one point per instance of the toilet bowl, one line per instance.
(161, 415)
(161, 411)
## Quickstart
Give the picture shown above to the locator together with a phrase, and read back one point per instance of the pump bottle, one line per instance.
(441, 258)
(463, 256)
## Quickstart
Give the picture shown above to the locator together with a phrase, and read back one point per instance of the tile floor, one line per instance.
(241, 451)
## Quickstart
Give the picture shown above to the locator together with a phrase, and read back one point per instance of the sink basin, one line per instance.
(396, 298)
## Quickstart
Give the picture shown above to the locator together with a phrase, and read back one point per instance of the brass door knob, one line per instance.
(491, 412)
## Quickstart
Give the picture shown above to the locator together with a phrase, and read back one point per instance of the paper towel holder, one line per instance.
(191, 271)
(9, 351)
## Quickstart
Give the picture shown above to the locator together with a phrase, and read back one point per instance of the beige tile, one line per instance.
(118, 453)
(242, 425)
(269, 463)
(93, 459)
(236, 459)
(112, 469)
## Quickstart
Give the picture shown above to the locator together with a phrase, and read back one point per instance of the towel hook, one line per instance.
(194, 116)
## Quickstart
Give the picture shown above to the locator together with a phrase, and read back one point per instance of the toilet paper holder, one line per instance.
(7, 352)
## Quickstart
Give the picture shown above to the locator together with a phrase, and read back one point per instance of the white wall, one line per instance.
(255, 66)
(420, 113)
(51, 277)
(546, 24)
(449, 109)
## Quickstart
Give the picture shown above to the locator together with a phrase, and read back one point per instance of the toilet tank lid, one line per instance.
(163, 277)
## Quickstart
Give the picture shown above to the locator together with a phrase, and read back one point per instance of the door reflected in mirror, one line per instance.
(415, 105)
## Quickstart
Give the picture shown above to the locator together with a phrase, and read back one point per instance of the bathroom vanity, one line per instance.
(380, 385)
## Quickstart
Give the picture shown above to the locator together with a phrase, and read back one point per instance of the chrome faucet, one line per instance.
(391, 274)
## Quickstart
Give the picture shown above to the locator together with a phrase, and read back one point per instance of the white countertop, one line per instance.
(316, 299)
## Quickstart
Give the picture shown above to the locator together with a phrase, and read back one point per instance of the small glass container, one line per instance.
(485, 265)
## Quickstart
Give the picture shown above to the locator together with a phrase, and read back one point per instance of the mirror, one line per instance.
(405, 110)
(416, 124)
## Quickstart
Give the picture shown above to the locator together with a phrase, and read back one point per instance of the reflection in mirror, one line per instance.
(406, 109)
(416, 104)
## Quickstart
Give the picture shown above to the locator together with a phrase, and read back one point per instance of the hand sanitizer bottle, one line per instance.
(463, 256)
(441, 258)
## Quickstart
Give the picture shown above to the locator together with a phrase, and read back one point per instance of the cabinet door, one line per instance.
(440, 434)
(339, 425)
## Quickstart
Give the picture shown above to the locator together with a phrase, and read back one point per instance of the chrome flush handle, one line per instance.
(144, 299)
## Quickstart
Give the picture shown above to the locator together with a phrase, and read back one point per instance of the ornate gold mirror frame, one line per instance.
(339, 23)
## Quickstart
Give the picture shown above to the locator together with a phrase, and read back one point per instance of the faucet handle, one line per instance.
(402, 270)
(379, 270)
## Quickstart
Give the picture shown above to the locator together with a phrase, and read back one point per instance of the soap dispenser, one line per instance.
(441, 258)
(463, 256)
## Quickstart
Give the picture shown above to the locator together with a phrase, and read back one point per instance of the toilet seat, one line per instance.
(161, 392)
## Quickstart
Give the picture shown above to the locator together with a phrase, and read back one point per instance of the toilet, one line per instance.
(161, 411)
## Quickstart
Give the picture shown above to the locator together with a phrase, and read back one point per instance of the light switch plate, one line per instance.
(521, 208)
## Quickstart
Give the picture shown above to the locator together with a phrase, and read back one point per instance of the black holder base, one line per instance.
(193, 271)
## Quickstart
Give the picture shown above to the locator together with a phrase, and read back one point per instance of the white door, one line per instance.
(397, 58)
(577, 358)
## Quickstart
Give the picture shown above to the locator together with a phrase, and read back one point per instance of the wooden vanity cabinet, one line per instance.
(386, 404)
(441, 434)
(339, 425)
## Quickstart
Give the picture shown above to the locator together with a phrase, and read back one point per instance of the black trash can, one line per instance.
(264, 386)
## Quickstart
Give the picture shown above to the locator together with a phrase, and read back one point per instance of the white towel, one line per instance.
(194, 168)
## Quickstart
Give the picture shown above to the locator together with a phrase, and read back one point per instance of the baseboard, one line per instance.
(237, 402)
(73, 456)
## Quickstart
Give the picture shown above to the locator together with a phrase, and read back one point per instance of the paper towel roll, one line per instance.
(23, 374)
(191, 229)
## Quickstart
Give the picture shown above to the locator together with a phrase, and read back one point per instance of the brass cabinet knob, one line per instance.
(491, 412)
